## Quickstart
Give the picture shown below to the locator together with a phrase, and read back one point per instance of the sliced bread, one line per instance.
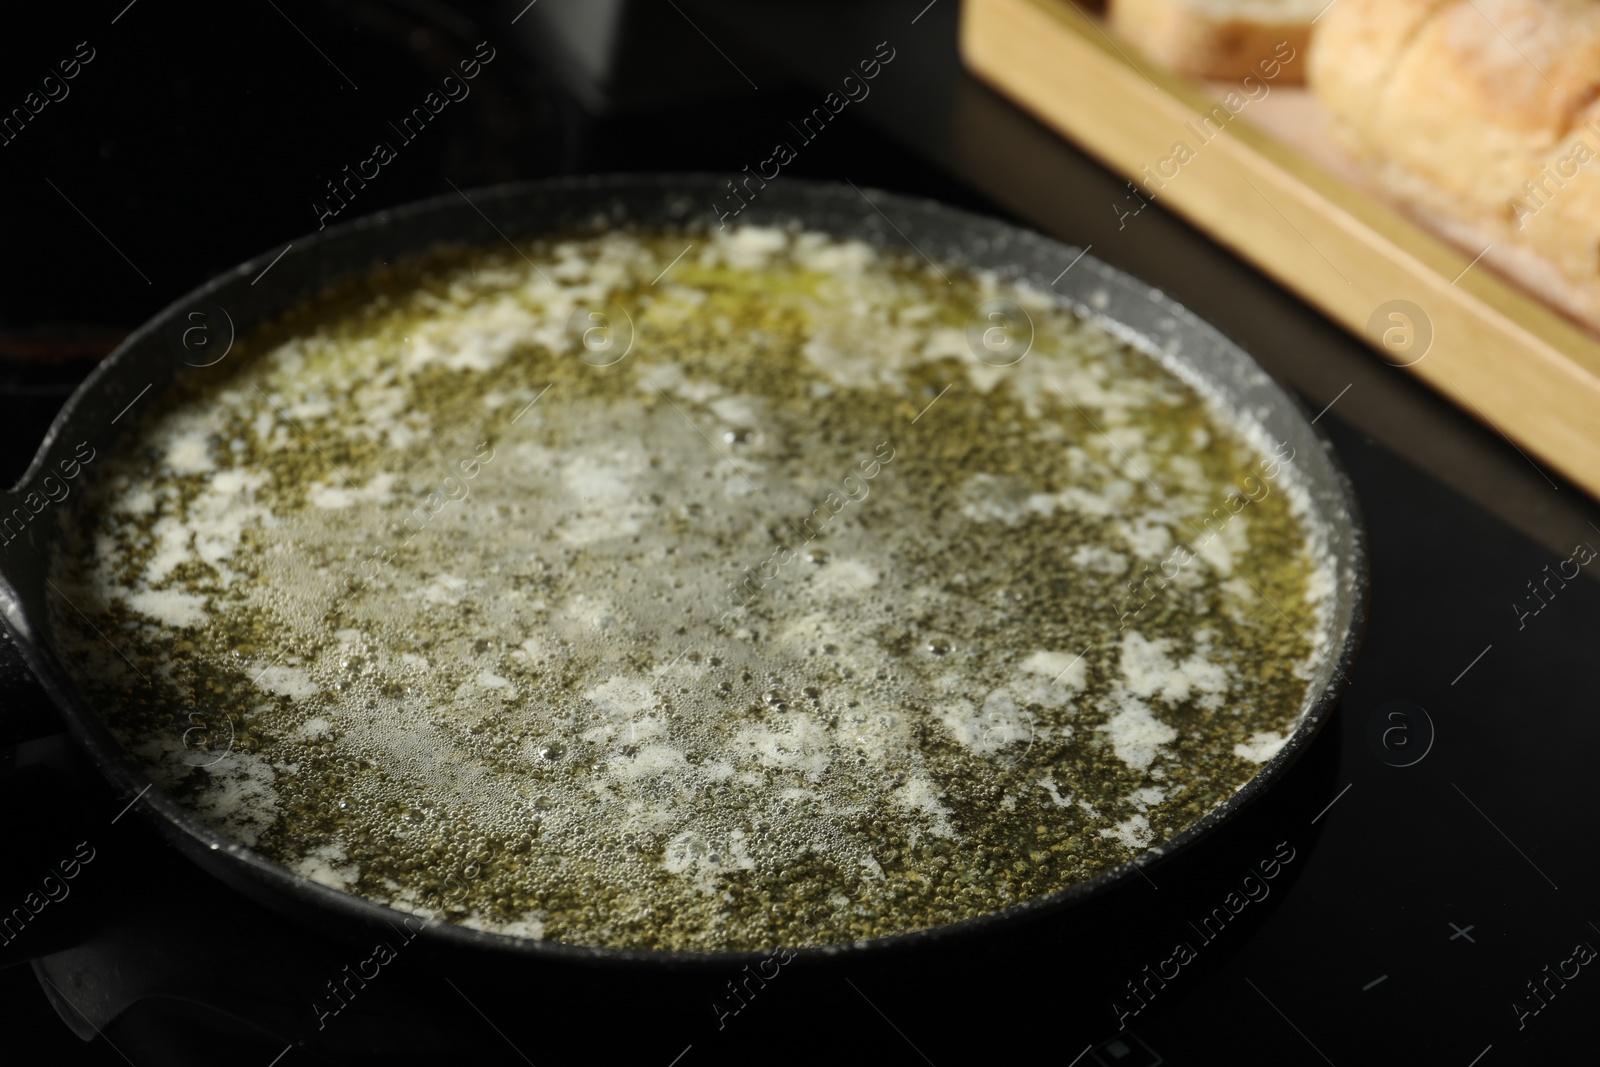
(1483, 117)
(1218, 39)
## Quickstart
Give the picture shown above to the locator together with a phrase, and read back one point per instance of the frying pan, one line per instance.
(108, 405)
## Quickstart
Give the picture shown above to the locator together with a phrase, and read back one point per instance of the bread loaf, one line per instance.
(1218, 39)
(1481, 117)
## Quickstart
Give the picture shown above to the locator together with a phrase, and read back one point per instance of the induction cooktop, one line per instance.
(1420, 888)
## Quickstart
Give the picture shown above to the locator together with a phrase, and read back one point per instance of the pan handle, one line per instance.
(29, 514)
(25, 710)
(27, 713)
(20, 694)
(32, 732)
(43, 771)
(39, 766)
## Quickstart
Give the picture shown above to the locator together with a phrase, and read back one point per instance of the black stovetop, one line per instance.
(1438, 834)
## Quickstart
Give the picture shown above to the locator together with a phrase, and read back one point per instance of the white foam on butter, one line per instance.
(920, 796)
(740, 411)
(1261, 746)
(380, 490)
(190, 453)
(1225, 544)
(295, 683)
(169, 607)
(1065, 669)
(799, 744)
(173, 539)
(622, 697)
(530, 928)
(140, 501)
(830, 256)
(242, 802)
(1098, 559)
(1137, 737)
(752, 247)
(1049, 786)
(1050, 694)
(843, 578)
(314, 728)
(1134, 832)
(1145, 539)
(648, 761)
(1150, 670)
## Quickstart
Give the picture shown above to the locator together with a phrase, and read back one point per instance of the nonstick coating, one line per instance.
(111, 399)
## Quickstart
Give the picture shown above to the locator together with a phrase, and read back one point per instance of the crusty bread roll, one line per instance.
(1481, 117)
(1219, 39)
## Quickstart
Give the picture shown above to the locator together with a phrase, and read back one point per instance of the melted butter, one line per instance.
(719, 646)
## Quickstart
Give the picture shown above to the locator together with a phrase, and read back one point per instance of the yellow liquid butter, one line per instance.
(746, 607)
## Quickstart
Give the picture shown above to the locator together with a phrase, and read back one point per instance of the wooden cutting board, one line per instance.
(1272, 185)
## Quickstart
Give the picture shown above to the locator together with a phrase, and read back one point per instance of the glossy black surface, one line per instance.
(1360, 958)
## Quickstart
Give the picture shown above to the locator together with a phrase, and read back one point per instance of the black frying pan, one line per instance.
(111, 400)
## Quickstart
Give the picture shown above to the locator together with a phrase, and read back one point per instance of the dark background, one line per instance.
(199, 137)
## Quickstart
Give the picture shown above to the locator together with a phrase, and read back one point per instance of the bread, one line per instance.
(1481, 116)
(1217, 39)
